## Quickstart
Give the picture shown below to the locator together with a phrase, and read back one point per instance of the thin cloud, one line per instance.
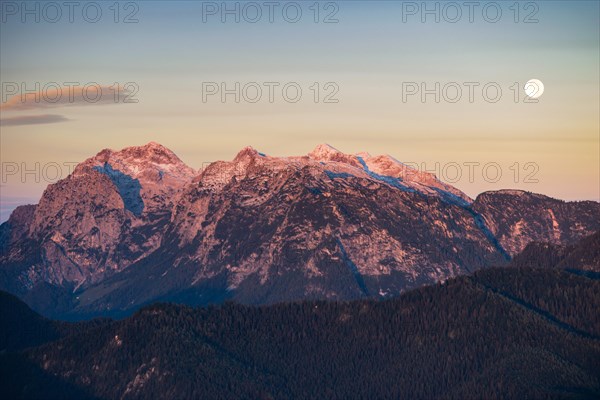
(68, 96)
(33, 120)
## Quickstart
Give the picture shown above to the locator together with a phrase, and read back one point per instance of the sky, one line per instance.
(438, 85)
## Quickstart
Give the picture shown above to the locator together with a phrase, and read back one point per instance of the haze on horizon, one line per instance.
(370, 54)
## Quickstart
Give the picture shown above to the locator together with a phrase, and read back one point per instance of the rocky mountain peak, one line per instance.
(109, 212)
(326, 159)
(146, 177)
(324, 152)
(246, 154)
(149, 151)
(152, 161)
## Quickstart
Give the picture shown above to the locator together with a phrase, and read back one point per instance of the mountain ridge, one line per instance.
(132, 226)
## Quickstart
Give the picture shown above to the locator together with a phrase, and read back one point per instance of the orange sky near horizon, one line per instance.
(363, 67)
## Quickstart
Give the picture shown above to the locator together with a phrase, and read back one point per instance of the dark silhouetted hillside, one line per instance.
(510, 333)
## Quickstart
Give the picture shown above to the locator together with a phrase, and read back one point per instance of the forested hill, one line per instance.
(502, 333)
(581, 256)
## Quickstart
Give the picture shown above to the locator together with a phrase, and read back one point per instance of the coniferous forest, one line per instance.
(513, 333)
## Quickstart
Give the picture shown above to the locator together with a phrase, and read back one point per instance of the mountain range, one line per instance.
(131, 227)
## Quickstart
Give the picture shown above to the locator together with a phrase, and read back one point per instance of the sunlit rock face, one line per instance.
(110, 212)
(324, 225)
(137, 225)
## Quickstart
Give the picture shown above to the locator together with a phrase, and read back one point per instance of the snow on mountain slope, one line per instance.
(157, 171)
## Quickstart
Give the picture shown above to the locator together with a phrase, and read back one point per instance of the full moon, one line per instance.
(534, 88)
